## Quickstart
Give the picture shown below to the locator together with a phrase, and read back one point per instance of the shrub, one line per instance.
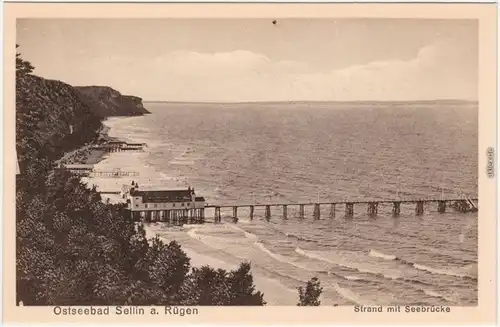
(310, 295)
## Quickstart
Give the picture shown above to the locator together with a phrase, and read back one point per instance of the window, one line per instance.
(182, 204)
(173, 204)
(189, 204)
(146, 206)
(136, 205)
(156, 205)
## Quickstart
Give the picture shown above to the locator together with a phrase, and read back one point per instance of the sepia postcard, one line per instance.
(250, 163)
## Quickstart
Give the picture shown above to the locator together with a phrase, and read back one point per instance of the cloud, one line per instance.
(442, 70)
(437, 71)
(239, 63)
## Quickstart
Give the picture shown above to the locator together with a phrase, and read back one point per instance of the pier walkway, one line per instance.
(347, 207)
(458, 204)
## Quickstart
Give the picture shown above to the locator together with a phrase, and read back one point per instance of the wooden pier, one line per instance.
(346, 209)
(372, 207)
(119, 146)
(113, 174)
(175, 217)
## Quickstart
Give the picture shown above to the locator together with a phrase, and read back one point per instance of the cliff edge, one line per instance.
(53, 117)
(111, 102)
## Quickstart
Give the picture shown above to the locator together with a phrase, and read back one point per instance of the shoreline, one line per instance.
(271, 287)
(85, 154)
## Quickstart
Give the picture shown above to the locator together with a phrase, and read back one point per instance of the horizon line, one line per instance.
(313, 101)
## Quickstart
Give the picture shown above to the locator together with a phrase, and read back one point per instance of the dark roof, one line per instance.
(199, 198)
(164, 196)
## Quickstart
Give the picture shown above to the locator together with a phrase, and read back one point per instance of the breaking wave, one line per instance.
(327, 260)
(192, 233)
(381, 255)
(461, 272)
(353, 278)
(348, 294)
(279, 257)
(436, 294)
(247, 234)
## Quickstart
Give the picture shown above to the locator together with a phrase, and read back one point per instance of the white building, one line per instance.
(163, 204)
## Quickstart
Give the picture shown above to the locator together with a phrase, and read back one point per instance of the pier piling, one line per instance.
(285, 212)
(235, 214)
(136, 215)
(192, 216)
(419, 209)
(217, 217)
(372, 209)
(441, 206)
(252, 208)
(332, 210)
(349, 209)
(317, 213)
(202, 215)
(268, 212)
(396, 209)
(301, 211)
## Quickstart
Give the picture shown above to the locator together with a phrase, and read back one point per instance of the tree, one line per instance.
(242, 287)
(310, 296)
(22, 66)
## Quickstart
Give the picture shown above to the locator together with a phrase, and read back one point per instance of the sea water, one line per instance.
(302, 152)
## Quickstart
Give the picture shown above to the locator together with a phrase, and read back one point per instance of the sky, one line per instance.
(239, 60)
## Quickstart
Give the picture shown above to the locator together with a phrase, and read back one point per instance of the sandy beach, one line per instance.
(86, 154)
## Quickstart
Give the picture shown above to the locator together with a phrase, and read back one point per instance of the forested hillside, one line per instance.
(73, 249)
